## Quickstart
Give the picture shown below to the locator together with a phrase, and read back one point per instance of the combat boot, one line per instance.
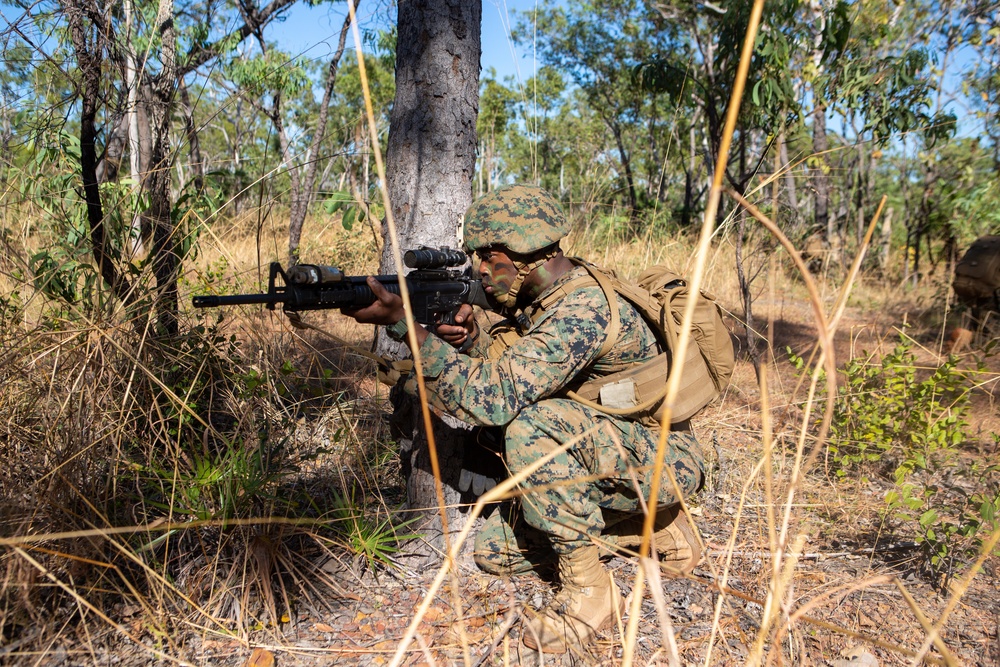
(586, 603)
(673, 539)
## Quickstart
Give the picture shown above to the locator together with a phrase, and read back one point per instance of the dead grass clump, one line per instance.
(153, 485)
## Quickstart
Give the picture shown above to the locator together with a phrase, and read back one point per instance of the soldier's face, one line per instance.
(496, 270)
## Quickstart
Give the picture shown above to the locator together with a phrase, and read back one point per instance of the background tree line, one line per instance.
(133, 127)
(622, 118)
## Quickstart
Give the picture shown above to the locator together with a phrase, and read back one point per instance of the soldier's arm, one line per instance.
(491, 392)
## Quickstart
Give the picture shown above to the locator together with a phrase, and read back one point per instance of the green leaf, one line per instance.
(336, 201)
(348, 220)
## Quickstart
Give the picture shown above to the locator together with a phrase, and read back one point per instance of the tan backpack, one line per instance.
(660, 295)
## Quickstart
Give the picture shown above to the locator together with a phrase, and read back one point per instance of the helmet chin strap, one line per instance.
(509, 299)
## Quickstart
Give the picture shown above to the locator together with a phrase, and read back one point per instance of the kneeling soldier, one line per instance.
(560, 333)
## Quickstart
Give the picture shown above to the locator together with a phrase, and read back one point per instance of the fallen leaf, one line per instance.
(323, 627)
(260, 658)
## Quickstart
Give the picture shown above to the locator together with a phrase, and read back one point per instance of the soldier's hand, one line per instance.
(387, 308)
(462, 331)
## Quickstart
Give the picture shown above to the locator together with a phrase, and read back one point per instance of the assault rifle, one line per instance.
(436, 288)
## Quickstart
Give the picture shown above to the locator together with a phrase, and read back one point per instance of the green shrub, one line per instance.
(904, 424)
(889, 416)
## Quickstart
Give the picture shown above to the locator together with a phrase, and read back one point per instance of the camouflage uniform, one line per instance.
(582, 490)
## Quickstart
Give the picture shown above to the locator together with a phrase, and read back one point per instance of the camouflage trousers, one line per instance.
(596, 482)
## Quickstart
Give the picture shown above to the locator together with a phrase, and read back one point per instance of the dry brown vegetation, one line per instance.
(191, 501)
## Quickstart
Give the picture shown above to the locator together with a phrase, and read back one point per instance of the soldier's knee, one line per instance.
(490, 563)
(521, 434)
(539, 423)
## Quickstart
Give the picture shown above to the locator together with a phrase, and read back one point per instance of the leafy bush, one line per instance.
(889, 416)
(905, 424)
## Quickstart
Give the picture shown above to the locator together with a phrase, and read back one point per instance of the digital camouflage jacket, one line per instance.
(559, 351)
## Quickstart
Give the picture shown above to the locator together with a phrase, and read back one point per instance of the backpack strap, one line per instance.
(604, 282)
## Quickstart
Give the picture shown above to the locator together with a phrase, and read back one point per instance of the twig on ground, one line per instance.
(513, 614)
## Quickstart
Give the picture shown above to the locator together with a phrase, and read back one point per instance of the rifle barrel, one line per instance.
(212, 301)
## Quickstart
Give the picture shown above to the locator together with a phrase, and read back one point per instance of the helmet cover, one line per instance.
(522, 218)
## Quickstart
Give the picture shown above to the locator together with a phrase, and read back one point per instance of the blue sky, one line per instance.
(313, 32)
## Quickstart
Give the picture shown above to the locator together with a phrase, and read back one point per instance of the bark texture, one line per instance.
(431, 156)
(165, 251)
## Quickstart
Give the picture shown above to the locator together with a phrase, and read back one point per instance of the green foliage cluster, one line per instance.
(889, 413)
(906, 425)
(371, 536)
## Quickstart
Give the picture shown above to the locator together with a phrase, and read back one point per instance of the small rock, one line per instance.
(856, 656)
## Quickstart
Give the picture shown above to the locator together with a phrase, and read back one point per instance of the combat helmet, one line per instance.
(523, 218)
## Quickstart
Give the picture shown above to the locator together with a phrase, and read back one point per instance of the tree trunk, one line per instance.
(793, 202)
(885, 240)
(303, 195)
(753, 347)
(820, 179)
(165, 248)
(191, 132)
(89, 60)
(431, 153)
(633, 201)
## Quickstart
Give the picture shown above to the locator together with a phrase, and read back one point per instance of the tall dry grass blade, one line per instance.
(827, 361)
(153, 526)
(669, 639)
(685, 334)
(100, 614)
(772, 603)
(800, 614)
(723, 580)
(697, 277)
(950, 659)
(774, 593)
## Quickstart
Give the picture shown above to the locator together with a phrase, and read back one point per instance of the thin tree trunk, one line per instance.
(633, 201)
(303, 195)
(885, 239)
(431, 153)
(114, 150)
(132, 114)
(753, 347)
(191, 132)
(793, 202)
(165, 247)
(89, 57)
(820, 180)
